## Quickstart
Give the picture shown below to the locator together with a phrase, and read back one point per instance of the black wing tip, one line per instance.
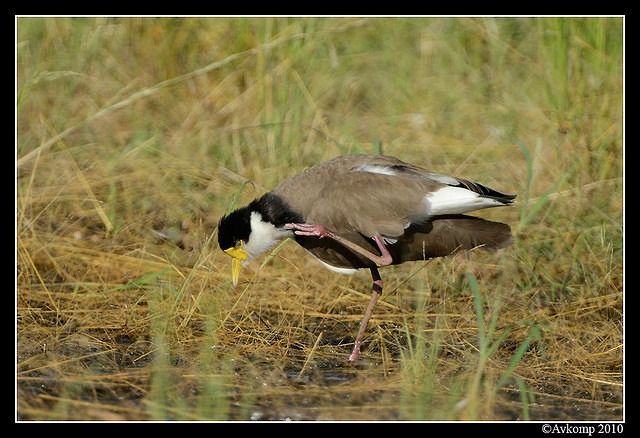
(486, 191)
(507, 198)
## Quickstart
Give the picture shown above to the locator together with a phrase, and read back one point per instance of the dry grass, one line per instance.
(133, 129)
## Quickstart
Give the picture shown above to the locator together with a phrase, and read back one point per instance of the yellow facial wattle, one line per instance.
(238, 256)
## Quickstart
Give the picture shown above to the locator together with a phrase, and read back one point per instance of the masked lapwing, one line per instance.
(365, 212)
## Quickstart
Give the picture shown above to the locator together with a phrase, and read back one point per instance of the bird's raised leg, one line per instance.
(383, 259)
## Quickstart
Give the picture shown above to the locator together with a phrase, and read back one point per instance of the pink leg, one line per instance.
(384, 259)
(376, 291)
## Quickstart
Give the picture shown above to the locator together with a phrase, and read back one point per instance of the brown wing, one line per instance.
(369, 203)
(361, 196)
(439, 237)
(445, 235)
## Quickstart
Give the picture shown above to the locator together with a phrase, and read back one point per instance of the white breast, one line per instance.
(347, 271)
(263, 237)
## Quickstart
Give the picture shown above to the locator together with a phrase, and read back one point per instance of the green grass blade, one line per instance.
(517, 356)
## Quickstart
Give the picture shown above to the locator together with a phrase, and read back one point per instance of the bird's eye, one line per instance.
(238, 244)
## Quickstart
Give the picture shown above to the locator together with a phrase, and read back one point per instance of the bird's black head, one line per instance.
(234, 230)
(250, 231)
(234, 227)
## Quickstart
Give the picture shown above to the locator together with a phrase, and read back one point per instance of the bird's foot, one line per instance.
(355, 353)
(310, 230)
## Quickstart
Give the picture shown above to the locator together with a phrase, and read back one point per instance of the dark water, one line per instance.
(80, 377)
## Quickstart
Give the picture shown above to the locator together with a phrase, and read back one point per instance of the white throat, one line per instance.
(263, 237)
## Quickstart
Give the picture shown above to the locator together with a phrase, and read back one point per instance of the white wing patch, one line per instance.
(376, 168)
(453, 198)
(444, 179)
(456, 200)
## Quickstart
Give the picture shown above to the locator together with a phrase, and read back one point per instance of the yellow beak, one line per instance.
(238, 256)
